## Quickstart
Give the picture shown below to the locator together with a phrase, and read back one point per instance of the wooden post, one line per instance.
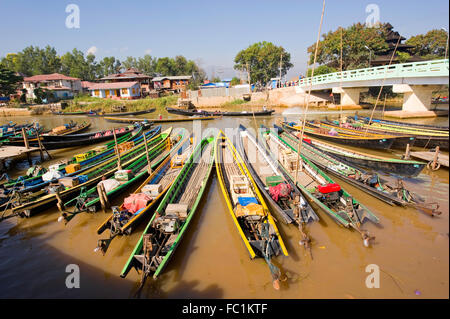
(435, 159)
(40, 146)
(406, 156)
(149, 163)
(119, 164)
(25, 138)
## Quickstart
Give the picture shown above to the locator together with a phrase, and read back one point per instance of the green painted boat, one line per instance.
(124, 219)
(318, 186)
(371, 183)
(166, 228)
(29, 204)
(90, 199)
(389, 165)
(25, 181)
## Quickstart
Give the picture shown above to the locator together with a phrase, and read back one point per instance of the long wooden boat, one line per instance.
(217, 113)
(73, 128)
(404, 124)
(319, 187)
(170, 222)
(128, 215)
(165, 120)
(423, 138)
(279, 192)
(77, 140)
(399, 140)
(378, 163)
(351, 140)
(247, 207)
(70, 113)
(370, 183)
(32, 203)
(91, 198)
(98, 114)
(33, 180)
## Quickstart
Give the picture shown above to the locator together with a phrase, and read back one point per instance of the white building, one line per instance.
(116, 90)
(63, 86)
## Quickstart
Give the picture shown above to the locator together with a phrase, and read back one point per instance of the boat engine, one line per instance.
(167, 224)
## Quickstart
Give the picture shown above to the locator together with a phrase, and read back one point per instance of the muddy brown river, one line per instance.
(411, 249)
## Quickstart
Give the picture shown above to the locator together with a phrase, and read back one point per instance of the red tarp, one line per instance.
(135, 202)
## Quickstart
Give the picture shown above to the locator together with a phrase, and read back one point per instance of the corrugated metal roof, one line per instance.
(176, 77)
(114, 85)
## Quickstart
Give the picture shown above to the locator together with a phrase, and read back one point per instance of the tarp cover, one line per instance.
(51, 175)
(135, 202)
(281, 190)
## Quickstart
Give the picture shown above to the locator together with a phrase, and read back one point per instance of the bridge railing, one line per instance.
(414, 69)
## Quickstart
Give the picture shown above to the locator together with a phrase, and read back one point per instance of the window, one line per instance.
(97, 92)
(125, 91)
(134, 91)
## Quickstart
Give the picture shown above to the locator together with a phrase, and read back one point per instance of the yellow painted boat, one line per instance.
(247, 207)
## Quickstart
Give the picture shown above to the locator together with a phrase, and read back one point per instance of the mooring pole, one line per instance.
(406, 156)
(25, 138)
(435, 159)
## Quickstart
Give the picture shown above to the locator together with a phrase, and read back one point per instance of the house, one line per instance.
(85, 85)
(131, 75)
(62, 86)
(394, 41)
(175, 84)
(116, 90)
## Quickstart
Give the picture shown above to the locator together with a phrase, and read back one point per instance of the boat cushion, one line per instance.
(249, 210)
(274, 180)
(110, 184)
(136, 202)
(329, 188)
(244, 201)
(180, 210)
(72, 168)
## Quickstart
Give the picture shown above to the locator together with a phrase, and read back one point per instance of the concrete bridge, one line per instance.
(416, 81)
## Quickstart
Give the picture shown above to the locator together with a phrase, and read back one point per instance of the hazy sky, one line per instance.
(210, 32)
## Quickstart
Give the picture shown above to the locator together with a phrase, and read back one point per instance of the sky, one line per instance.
(208, 32)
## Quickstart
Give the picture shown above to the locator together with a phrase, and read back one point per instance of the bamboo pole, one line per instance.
(309, 94)
(407, 152)
(149, 163)
(119, 164)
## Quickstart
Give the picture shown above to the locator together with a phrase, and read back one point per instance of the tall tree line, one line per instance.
(33, 61)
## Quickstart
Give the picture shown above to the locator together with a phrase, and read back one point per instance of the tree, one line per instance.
(130, 62)
(263, 61)
(74, 64)
(322, 69)
(146, 65)
(430, 45)
(9, 81)
(235, 81)
(165, 66)
(355, 38)
(107, 66)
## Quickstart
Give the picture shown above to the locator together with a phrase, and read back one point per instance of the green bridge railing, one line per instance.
(432, 68)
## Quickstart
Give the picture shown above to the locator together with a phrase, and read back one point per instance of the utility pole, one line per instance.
(248, 74)
(281, 61)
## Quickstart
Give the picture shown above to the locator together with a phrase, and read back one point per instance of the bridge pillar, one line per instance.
(349, 96)
(416, 98)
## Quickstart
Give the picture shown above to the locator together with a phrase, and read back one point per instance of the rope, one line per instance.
(382, 85)
(309, 93)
